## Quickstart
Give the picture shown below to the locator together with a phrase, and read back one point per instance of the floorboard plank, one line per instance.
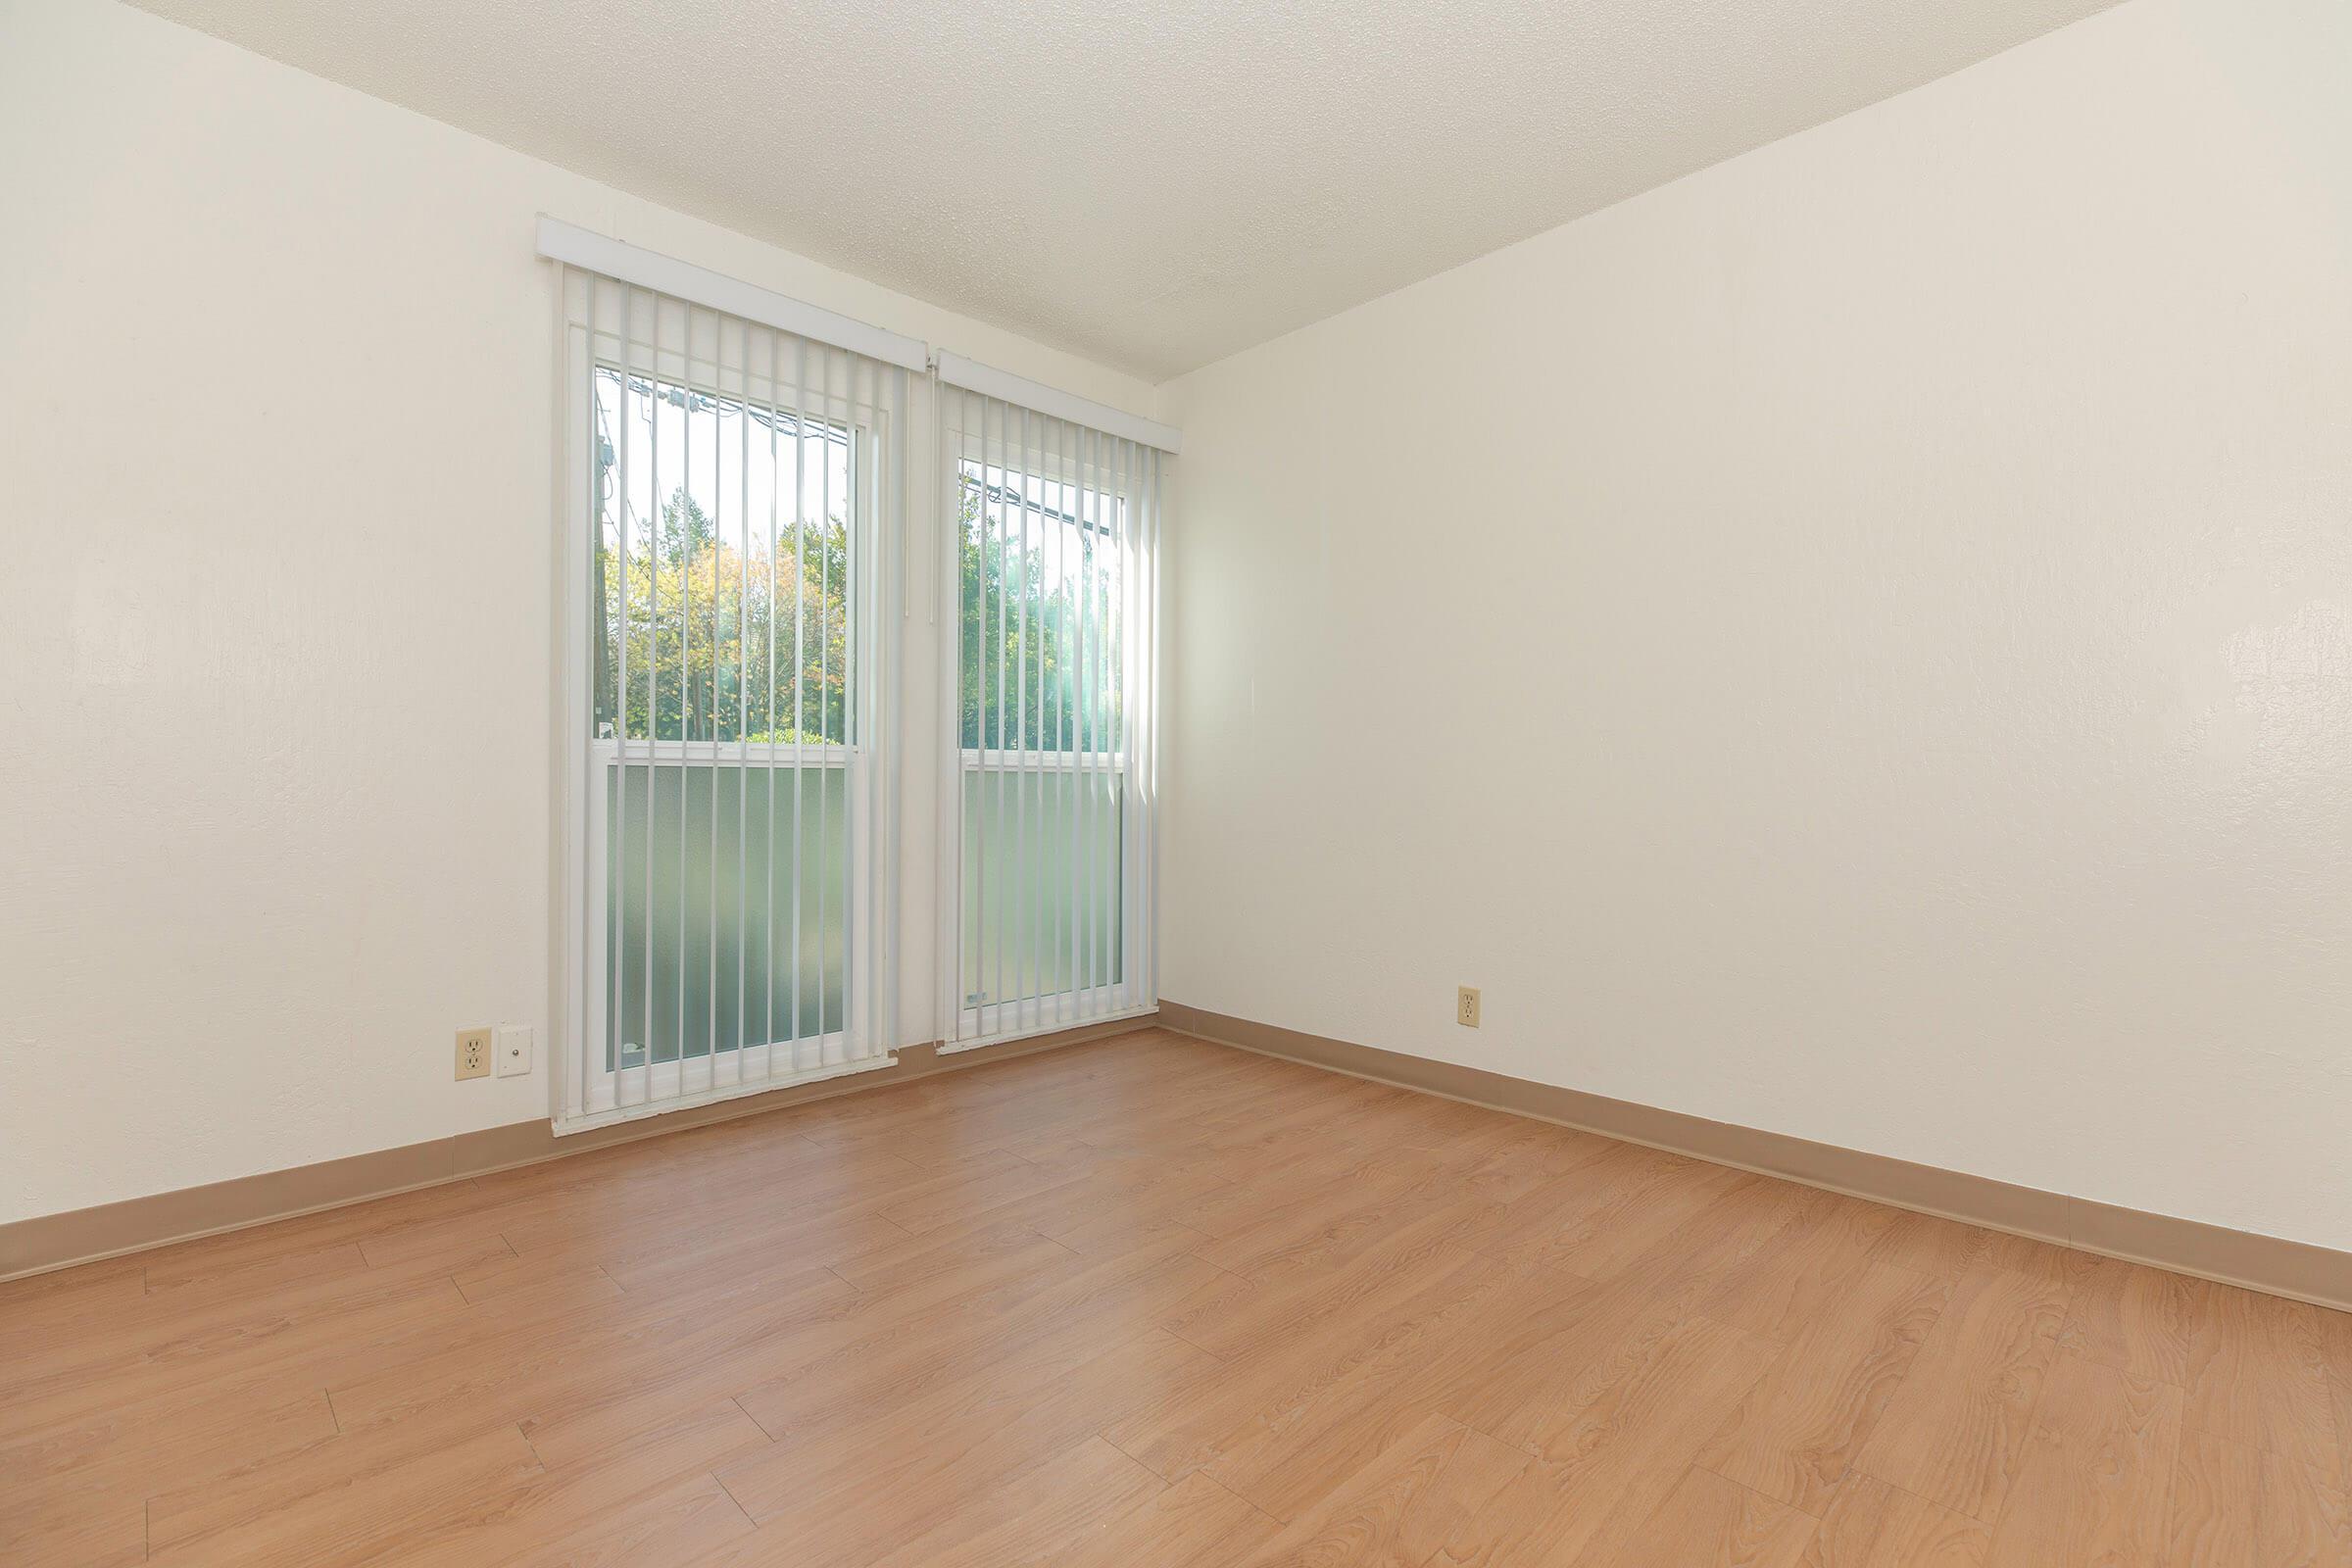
(2136, 1320)
(1709, 1522)
(2096, 1476)
(1402, 1506)
(1955, 1431)
(369, 1513)
(1039, 1517)
(2257, 1374)
(1795, 1436)
(2231, 1504)
(1611, 1455)
(1870, 1524)
(1194, 1524)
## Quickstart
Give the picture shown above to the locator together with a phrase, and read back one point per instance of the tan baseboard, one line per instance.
(51, 1242)
(2268, 1264)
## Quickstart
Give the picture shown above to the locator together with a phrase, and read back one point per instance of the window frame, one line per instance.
(589, 1087)
(1126, 996)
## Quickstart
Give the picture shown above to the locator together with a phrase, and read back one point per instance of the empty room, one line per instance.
(1176, 785)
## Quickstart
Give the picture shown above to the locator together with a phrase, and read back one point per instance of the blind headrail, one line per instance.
(625, 262)
(1021, 392)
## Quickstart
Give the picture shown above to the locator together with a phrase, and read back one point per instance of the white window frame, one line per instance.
(892, 917)
(1131, 995)
(601, 1096)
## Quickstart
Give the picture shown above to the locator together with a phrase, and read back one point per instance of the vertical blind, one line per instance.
(739, 475)
(735, 500)
(1048, 812)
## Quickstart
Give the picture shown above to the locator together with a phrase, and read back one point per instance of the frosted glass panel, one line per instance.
(728, 968)
(1041, 851)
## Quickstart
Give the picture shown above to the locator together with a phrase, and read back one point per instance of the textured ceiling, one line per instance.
(1153, 183)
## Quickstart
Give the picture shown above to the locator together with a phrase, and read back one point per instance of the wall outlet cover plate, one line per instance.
(513, 1049)
(473, 1053)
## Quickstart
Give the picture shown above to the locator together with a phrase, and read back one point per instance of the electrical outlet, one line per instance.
(513, 1049)
(473, 1053)
(1466, 1006)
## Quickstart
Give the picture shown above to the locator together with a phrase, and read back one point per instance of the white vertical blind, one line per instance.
(733, 501)
(735, 493)
(1051, 527)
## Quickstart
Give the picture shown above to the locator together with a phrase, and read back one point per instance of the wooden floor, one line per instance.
(1152, 1302)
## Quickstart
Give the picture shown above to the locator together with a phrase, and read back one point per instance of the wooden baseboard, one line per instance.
(2271, 1264)
(50, 1241)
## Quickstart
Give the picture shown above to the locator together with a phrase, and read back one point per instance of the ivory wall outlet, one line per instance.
(473, 1053)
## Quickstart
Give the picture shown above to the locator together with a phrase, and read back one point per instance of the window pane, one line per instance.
(1047, 872)
(1041, 676)
(736, 599)
(1041, 614)
(727, 964)
(723, 617)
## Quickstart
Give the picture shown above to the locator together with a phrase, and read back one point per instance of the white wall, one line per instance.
(1857, 642)
(277, 370)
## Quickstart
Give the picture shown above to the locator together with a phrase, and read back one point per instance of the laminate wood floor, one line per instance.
(1156, 1303)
